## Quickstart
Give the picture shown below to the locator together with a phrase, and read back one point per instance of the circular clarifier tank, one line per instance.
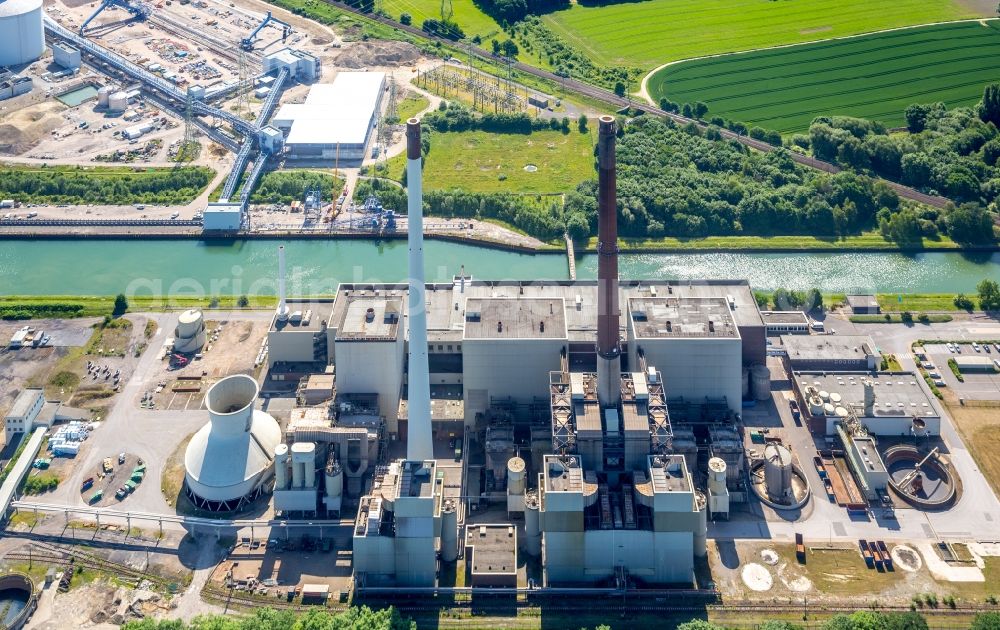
(933, 486)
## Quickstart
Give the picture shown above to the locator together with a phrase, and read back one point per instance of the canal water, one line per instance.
(179, 267)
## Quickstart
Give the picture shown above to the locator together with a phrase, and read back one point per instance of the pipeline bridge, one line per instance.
(177, 99)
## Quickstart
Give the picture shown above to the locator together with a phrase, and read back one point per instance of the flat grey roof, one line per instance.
(23, 402)
(862, 300)
(681, 317)
(368, 318)
(318, 315)
(446, 301)
(667, 473)
(828, 347)
(869, 452)
(896, 394)
(494, 548)
(515, 318)
(784, 317)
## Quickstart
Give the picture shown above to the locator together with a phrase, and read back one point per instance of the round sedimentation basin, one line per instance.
(17, 600)
(939, 480)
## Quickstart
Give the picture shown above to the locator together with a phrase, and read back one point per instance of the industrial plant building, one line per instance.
(885, 403)
(834, 353)
(336, 120)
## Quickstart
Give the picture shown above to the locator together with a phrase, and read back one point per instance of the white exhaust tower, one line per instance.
(418, 442)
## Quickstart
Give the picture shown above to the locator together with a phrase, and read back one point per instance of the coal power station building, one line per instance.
(599, 418)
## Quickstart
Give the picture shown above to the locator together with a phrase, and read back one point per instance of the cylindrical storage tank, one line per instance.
(333, 479)
(701, 534)
(281, 467)
(919, 427)
(716, 474)
(761, 378)
(816, 406)
(118, 102)
(22, 37)
(449, 531)
(304, 456)
(836, 398)
(841, 412)
(516, 476)
(825, 396)
(532, 525)
(828, 409)
(746, 383)
(104, 96)
(778, 471)
(189, 335)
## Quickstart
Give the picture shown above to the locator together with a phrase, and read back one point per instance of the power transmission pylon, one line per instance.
(188, 145)
(243, 89)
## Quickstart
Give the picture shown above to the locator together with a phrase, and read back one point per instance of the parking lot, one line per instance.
(975, 386)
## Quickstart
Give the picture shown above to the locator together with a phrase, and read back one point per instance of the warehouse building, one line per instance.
(23, 413)
(337, 119)
(65, 55)
(301, 65)
(840, 353)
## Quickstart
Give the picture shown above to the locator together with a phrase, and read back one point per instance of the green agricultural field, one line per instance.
(650, 33)
(479, 161)
(875, 76)
(470, 17)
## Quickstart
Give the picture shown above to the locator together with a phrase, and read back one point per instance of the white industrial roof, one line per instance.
(335, 113)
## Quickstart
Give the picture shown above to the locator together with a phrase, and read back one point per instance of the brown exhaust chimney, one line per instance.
(608, 343)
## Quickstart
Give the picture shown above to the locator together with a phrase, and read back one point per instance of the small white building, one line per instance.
(222, 217)
(65, 55)
(15, 87)
(137, 131)
(26, 408)
(301, 65)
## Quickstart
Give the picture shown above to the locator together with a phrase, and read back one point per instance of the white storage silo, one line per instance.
(281, 467)
(515, 476)
(333, 479)
(816, 406)
(304, 465)
(190, 335)
(701, 534)
(449, 531)
(761, 378)
(118, 102)
(104, 95)
(532, 525)
(22, 37)
(778, 471)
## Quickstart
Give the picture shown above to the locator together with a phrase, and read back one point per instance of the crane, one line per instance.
(247, 42)
(139, 10)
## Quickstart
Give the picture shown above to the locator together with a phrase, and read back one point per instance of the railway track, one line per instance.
(229, 50)
(620, 102)
(59, 556)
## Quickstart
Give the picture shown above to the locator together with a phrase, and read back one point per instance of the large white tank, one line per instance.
(118, 102)
(104, 96)
(532, 525)
(816, 406)
(22, 37)
(449, 531)
(281, 467)
(228, 460)
(778, 471)
(761, 377)
(304, 462)
(701, 534)
(515, 476)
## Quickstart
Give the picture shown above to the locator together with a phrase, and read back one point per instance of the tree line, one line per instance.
(949, 152)
(288, 186)
(165, 186)
(679, 181)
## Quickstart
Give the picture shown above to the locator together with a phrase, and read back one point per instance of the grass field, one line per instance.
(647, 34)
(796, 242)
(411, 105)
(478, 161)
(470, 17)
(875, 76)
